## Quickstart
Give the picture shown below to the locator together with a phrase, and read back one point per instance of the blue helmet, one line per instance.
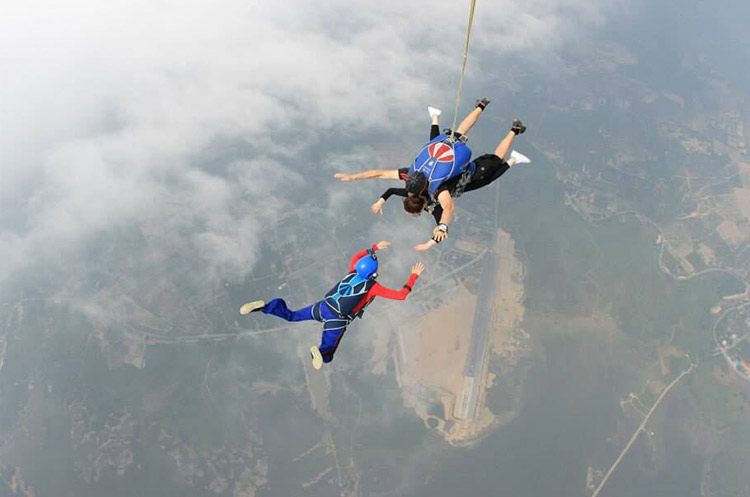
(367, 266)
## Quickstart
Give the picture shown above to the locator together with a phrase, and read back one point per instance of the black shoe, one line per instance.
(518, 127)
(483, 102)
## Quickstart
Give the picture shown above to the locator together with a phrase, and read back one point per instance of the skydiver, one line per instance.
(443, 158)
(479, 173)
(486, 169)
(451, 159)
(342, 304)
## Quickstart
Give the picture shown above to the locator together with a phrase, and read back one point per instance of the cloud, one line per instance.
(195, 116)
(538, 27)
(149, 147)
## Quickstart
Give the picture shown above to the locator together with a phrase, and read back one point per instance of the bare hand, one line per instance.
(423, 246)
(383, 245)
(417, 268)
(377, 207)
(439, 235)
(344, 176)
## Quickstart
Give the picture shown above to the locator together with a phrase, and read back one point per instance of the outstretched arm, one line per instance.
(437, 213)
(377, 207)
(443, 215)
(378, 246)
(380, 291)
(440, 232)
(448, 207)
(371, 174)
(425, 246)
(400, 192)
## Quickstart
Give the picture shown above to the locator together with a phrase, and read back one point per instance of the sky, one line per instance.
(112, 113)
(201, 124)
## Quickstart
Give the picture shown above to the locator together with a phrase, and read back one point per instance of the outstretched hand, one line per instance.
(383, 245)
(344, 176)
(424, 246)
(377, 207)
(417, 268)
(438, 235)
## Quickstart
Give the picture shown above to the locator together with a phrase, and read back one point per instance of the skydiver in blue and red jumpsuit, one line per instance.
(342, 304)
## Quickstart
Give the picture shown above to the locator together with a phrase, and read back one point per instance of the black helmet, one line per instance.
(416, 183)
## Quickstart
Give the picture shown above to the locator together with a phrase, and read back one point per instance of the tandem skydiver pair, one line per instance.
(442, 170)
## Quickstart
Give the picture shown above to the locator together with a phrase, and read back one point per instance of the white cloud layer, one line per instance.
(106, 108)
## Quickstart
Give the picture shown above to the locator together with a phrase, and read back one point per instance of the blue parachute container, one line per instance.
(344, 297)
(440, 160)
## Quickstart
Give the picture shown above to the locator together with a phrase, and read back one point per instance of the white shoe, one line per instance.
(252, 307)
(434, 112)
(317, 359)
(520, 158)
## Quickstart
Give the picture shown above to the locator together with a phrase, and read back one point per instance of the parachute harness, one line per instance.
(463, 67)
(348, 288)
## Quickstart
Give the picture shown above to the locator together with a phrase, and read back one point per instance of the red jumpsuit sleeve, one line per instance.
(379, 290)
(358, 256)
